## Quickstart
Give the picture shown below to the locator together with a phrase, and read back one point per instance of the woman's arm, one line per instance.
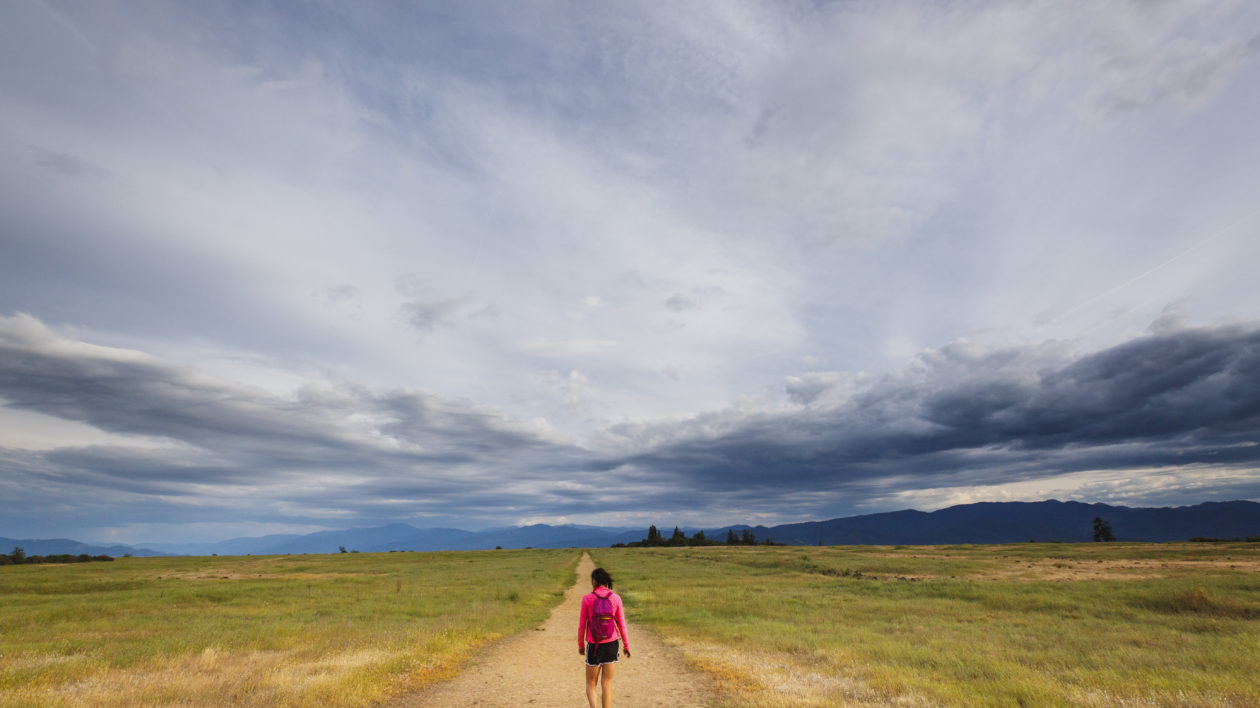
(621, 625)
(582, 613)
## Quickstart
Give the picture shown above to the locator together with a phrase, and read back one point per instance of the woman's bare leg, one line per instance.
(605, 680)
(592, 677)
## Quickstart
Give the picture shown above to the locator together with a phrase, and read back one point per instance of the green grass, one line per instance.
(344, 629)
(1029, 624)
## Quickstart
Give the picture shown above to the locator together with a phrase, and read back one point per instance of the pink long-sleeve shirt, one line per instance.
(588, 603)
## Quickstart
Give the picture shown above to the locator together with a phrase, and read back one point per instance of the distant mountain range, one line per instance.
(990, 522)
(58, 546)
(1014, 522)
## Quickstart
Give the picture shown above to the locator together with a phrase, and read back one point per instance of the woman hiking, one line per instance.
(601, 623)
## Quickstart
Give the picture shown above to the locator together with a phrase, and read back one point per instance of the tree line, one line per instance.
(19, 557)
(678, 538)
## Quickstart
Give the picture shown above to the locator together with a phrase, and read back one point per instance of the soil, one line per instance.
(542, 667)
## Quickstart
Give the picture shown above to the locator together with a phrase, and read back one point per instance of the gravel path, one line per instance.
(543, 668)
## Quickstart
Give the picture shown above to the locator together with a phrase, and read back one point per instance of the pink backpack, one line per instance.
(603, 618)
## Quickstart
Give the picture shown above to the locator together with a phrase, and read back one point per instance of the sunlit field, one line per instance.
(1018, 625)
(327, 630)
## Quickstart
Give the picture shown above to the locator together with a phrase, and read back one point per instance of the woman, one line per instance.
(601, 623)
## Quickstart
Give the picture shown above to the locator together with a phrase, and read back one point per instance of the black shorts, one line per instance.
(600, 654)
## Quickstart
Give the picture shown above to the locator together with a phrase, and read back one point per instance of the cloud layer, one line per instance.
(188, 440)
(964, 417)
(189, 446)
(289, 266)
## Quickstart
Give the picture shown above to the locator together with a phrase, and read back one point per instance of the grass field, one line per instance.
(1020, 625)
(327, 630)
(1030, 624)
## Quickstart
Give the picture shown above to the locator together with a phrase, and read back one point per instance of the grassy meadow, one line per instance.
(328, 630)
(1097, 624)
(1018, 625)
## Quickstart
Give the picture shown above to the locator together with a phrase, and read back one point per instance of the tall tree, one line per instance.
(1102, 530)
(678, 538)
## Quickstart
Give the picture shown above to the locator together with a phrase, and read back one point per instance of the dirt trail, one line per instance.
(543, 668)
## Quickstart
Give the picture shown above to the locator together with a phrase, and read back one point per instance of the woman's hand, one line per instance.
(627, 652)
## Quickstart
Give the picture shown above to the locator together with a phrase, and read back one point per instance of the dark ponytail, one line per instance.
(601, 577)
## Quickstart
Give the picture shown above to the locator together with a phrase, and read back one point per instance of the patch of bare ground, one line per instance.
(760, 679)
(543, 668)
(1084, 570)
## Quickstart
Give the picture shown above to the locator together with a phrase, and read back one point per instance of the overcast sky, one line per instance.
(297, 266)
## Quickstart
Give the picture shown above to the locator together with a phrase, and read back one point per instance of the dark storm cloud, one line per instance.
(141, 470)
(1198, 385)
(435, 424)
(319, 447)
(128, 393)
(123, 392)
(1174, 399)
(960, 417)
(43, 487)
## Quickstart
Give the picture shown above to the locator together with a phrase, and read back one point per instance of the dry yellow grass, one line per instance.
(336, 630)
(1022, 625)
